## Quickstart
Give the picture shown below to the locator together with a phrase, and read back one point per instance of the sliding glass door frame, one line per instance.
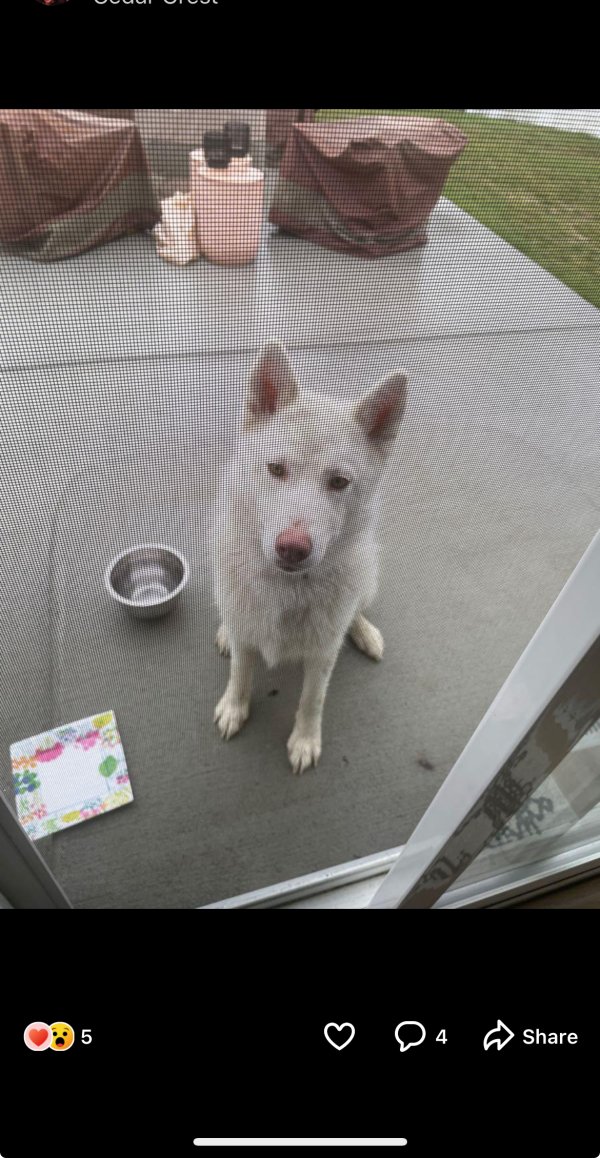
(25, 879)
(550, 699)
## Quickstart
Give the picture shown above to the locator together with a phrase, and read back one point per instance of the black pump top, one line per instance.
(217, 150)
(237, 133)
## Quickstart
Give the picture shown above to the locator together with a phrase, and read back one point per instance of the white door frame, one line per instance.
(549, 700)
(25, 879)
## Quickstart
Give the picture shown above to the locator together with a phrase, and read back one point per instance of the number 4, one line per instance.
(442, 1036)
(86, 1036)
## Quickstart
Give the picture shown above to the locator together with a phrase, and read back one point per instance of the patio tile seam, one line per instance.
(237, 352)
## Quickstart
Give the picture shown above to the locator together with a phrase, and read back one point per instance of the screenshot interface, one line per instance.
(187, 1055)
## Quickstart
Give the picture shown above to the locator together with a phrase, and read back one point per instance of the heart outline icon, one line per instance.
(343, 1025)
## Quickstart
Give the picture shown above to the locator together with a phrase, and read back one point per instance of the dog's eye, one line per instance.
(338, 482)
(277, 469)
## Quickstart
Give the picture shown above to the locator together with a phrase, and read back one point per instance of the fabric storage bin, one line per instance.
(364, 185)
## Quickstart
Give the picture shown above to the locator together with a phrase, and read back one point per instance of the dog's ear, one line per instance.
(272, 384)
(380, 411)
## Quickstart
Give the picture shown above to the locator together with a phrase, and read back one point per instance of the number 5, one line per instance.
(86, 1036)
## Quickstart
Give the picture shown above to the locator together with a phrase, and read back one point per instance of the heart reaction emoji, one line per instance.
(37, 1036)
(339, 1036)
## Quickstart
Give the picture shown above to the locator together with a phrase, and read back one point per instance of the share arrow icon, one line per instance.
(499, 1036)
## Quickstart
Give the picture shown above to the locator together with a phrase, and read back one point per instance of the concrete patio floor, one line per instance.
(122, 380)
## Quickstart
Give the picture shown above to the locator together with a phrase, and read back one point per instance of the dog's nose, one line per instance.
(293, 545)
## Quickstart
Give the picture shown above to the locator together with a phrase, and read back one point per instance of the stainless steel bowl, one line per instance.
(147, 580)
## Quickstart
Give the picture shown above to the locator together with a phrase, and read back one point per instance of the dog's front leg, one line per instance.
(233, 708)
(304, 744)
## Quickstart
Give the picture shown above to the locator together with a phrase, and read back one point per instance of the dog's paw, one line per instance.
(367, 637)
(304, 749)
(222, 642)
(230, 715)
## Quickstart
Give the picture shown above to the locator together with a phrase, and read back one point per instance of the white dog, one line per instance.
(295, 555)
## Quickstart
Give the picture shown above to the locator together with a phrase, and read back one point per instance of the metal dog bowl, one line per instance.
(147, 580)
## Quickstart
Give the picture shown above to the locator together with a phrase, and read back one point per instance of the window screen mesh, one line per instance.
(459, 247)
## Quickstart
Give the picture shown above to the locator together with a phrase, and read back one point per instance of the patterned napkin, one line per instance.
(70, 774)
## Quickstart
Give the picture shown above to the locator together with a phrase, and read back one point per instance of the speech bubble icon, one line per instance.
(409, 1033)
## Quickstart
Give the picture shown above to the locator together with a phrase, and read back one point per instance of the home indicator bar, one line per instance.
(299, 1141)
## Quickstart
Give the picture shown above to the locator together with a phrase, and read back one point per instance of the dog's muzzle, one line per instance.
(293, 547)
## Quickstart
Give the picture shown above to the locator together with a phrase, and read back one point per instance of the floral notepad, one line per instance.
(69, 774)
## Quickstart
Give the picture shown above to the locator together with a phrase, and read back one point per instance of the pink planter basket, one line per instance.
(228, 208)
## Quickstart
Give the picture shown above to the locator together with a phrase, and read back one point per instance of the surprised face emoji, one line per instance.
(62, 1036)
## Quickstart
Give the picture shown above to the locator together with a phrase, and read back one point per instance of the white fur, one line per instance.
(367, 637)
(301, 616)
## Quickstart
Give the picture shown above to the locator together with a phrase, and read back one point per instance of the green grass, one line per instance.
(537, 188)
